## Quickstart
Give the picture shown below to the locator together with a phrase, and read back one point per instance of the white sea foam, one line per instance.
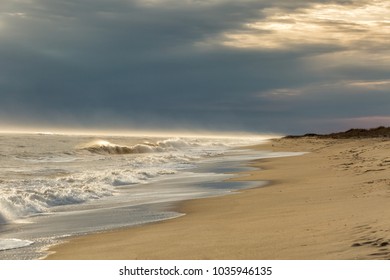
(7, 244)
(29, 197)
(42, 172)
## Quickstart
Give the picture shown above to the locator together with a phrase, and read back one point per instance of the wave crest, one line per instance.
(105, 147)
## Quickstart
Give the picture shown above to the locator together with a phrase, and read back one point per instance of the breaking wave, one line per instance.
(106, 147)
(30, 197)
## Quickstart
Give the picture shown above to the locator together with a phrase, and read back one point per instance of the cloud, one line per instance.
(252, 65)
(358, 24)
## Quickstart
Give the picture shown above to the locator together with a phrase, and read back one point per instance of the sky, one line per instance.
(255, 66)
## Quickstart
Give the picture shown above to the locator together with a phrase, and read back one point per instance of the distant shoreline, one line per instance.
(353, 133)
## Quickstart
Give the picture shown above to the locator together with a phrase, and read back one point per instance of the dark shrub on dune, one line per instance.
(378, 132)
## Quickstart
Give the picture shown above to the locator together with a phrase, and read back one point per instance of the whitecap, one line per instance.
(13, 243)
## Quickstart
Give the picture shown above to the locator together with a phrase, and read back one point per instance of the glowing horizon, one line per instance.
(136, 132)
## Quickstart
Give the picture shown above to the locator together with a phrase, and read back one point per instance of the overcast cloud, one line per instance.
(257, 66)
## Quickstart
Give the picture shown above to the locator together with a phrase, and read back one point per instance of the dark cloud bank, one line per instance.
(132, 65)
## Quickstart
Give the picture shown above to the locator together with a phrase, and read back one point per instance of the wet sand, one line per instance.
(331, 203)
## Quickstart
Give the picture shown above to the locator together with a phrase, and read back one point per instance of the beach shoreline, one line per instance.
(326, 204)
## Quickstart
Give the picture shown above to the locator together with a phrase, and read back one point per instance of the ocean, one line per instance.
(54, 186)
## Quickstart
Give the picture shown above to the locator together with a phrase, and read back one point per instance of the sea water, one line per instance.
(54, 186)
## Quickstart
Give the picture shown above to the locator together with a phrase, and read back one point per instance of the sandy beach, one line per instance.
(331, 203)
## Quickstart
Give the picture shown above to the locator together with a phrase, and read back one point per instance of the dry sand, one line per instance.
(332, 203)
